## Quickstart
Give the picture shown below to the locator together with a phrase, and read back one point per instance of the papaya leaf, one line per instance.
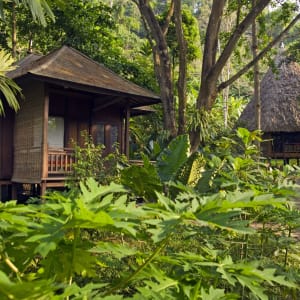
(91, 190)
(142, 180)
(39, 289)
(212, 294)
(117, 250)
(84, 218)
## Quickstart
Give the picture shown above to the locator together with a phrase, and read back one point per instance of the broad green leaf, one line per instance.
(117, 250)
(225, 220)
(38, 289)
(163, 229)
(92, 191)
(66, 261)
(9, 89)
(212, 294)
(83, 217)
(39, 10)
(142, 181)
(173, 157)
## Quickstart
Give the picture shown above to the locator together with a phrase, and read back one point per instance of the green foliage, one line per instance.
(89, 26)
(191, 35)
(143, 180)
(90, 161)
(39, 9)
(137, 252)
(9, 89)
(293, 46)
(211, 124)
(172, 158)
(98, 243)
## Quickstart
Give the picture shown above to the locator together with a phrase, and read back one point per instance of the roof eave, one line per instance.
(141, 99)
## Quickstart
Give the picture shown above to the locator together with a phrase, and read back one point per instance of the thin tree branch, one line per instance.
(238, 13)
(165, 27)
(211, 37)
(227, 51)
(182, 84)
(259, 56)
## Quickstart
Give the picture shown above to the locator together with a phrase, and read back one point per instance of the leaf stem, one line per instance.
(147, 262)
(74, 245)
(12, 267)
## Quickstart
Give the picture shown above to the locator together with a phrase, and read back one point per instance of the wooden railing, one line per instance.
(291, 148)
(60, 161)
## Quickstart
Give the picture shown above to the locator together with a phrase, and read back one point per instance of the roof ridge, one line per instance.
(53, 55)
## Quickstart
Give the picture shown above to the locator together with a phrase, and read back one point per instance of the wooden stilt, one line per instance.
(14, 194)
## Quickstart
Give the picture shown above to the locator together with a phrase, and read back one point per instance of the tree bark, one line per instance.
(212, 63)
(208, 87)
(13, 30)
(259, 56)
(182, 84)
(211, 66)
(256, 75)
(162, 63)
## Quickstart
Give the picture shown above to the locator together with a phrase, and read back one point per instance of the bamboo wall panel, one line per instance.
(28, 134)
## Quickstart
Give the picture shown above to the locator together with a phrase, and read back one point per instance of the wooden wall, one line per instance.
(6, 144)
(28, 134)
(111, 120)
(76, 110)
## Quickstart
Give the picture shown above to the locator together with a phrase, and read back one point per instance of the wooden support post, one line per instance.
(14, 194)
(43, 188)
(127, 123)
(44, 162)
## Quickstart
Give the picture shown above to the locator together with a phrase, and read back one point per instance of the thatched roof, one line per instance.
(71, 68)
(280, 100)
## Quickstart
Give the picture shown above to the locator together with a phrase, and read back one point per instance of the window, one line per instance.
(56, 132)
(113, 135)
(99, 134)
(105, 134)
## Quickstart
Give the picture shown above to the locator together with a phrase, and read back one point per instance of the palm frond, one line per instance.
(8, 88)
(39, 9)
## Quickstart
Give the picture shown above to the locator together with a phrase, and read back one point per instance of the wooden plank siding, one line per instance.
(6, 145)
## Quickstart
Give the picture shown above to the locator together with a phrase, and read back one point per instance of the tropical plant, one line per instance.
(8, 87)
(210, 236)
(91, 162)
(101, 245)
(38, 8)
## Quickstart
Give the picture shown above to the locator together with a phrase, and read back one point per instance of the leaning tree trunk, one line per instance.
(13, 30)
(211, 66)
(182, 84)
(208, 88)
(256, 75)
(162, 62)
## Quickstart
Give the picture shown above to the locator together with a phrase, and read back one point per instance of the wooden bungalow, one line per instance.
(65, 93)
(280, 112)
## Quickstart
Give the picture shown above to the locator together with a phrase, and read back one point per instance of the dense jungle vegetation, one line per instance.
(215, 225)
(210, 219)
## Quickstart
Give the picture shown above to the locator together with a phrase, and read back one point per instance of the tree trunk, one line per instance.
(256, 75)
(182, 68)
(162, 63)
(211, 66)
(13, 30)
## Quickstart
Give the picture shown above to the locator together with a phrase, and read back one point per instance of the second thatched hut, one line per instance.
(280, 111)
